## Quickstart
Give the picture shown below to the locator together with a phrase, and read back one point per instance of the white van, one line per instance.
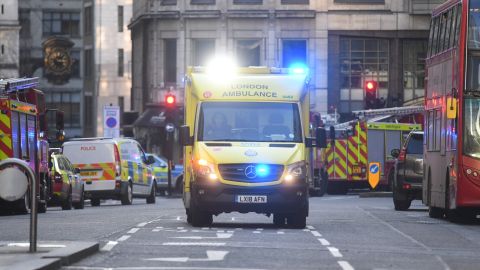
(112, 169)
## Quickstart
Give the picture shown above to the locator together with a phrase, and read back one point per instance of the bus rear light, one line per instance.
(407, 186)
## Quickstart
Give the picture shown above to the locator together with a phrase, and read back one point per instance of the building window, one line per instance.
(293, 2)
(247, 2)
(75, 55)
(170, 61)
(169, 2)
(202, 2)
(121, 63)
(361, 60)
(414, 54)
(24, 18)
(294, 52)
(61, 23)
(88, 106)
(88, 20)
(88, 63)
(360, 1)
(69, 103)
(120, 18)
(248, 52)
(203, 50)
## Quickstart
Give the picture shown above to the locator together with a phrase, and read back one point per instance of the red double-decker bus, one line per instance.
(451, 183)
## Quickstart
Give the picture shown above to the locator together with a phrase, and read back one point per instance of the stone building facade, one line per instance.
(343, 42)
(9, 39)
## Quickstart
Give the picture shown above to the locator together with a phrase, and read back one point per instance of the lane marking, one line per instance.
(133, 230)
(413, 240)
(306, 230)
(205, 228)
(257, 232)
(324, 242)
(123, 238)
(109, 246)
(208, 244)
(142, 224)
(155, 230)
(180, 228)
(280, 232)
(233, 218)
(212, 255)
(259, 229)
(311, 227)
(335, 252)
(345, 265)
(316, 234)
(219, 236)
(178, 217)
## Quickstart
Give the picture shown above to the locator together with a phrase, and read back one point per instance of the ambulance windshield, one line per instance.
(249, 122)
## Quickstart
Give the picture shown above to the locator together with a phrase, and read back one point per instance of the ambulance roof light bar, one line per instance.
(14, 85)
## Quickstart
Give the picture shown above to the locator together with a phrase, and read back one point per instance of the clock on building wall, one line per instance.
(57, 59)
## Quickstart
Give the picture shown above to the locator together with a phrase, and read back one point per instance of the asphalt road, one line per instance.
(344, 232)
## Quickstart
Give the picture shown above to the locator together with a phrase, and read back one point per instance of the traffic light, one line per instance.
(370, 94)
(170, 100)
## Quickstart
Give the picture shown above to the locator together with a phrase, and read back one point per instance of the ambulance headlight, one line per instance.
(295, 171)
(205, 169)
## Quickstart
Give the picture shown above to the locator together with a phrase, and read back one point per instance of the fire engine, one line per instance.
(23, 134)
(355, 144)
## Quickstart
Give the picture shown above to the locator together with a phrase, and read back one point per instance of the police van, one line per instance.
(112, 169)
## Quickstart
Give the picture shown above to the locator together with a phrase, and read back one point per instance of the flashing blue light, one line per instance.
(298, 69)
(262, 170)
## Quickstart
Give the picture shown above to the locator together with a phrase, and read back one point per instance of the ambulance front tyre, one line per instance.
(197, 217)
(153, 194)
(279, 220)
(127, 194)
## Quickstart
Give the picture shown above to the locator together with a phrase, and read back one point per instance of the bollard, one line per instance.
(23, 166)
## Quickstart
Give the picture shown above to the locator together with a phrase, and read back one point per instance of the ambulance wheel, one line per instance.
(127, 196)
(95, 202)
(80, 204)
(67, 204)
(279, 220)
(199, 218)
(297, 221)
(153, 194)
(42, 207)
(402, 205)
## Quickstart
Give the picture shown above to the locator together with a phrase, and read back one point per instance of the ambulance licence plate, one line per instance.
(251, 199)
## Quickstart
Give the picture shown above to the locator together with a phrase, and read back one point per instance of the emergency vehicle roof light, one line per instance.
(13, 85)
(222, 67)
(298, 68)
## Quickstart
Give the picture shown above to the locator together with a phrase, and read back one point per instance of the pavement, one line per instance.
(49, 255)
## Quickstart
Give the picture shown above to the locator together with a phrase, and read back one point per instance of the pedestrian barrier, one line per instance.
(15, 178)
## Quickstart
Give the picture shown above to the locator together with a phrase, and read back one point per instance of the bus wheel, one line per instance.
(95, 202)
(279, 220)
(435, 212)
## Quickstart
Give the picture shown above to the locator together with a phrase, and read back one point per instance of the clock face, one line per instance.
(58, 61)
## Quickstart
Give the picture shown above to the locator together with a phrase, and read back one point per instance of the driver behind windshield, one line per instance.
(219, 127)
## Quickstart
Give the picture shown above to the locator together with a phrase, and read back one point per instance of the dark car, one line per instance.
(407, 184)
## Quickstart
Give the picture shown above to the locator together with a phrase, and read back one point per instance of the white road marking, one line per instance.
(335, 252)
(413, 240)
(109, 246)
(155, 230)
(220, 231)
(260, 229)
(306, 230)
(212, 255)
(280, 232)
(257, 232)
(123, 238)
(205, 228)
(142, 224)
(219, 236)
(180, 228)
(178, 217)
(311, 227)
(208, 244)
(133, 230)
(316, 234)
(345, 265)
(233, 218)
(324, 242)
(230, 231)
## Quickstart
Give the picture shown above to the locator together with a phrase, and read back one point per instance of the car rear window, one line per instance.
(88, 153)
(415, 144)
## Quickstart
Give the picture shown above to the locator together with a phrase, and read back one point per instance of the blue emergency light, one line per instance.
(298, 68)
(262, 170)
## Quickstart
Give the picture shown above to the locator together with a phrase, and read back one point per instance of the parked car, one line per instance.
(160, 171)
(112, 169)
(67, 187)
(407, 184)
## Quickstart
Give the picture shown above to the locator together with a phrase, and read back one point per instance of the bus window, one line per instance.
(15, 138)
(23, 136)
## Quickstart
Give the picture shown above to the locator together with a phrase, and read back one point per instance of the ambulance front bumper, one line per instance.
(221, 198)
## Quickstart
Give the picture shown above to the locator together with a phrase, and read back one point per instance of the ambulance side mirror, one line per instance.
(321, 137)
(185, 139)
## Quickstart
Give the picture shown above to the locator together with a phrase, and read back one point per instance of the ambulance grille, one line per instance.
(238, 173)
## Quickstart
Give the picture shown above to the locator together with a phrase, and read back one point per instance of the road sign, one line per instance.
(374, 174)
(111, 121)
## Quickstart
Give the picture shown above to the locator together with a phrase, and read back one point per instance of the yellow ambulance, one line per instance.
(245, 145)
(112, 169)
